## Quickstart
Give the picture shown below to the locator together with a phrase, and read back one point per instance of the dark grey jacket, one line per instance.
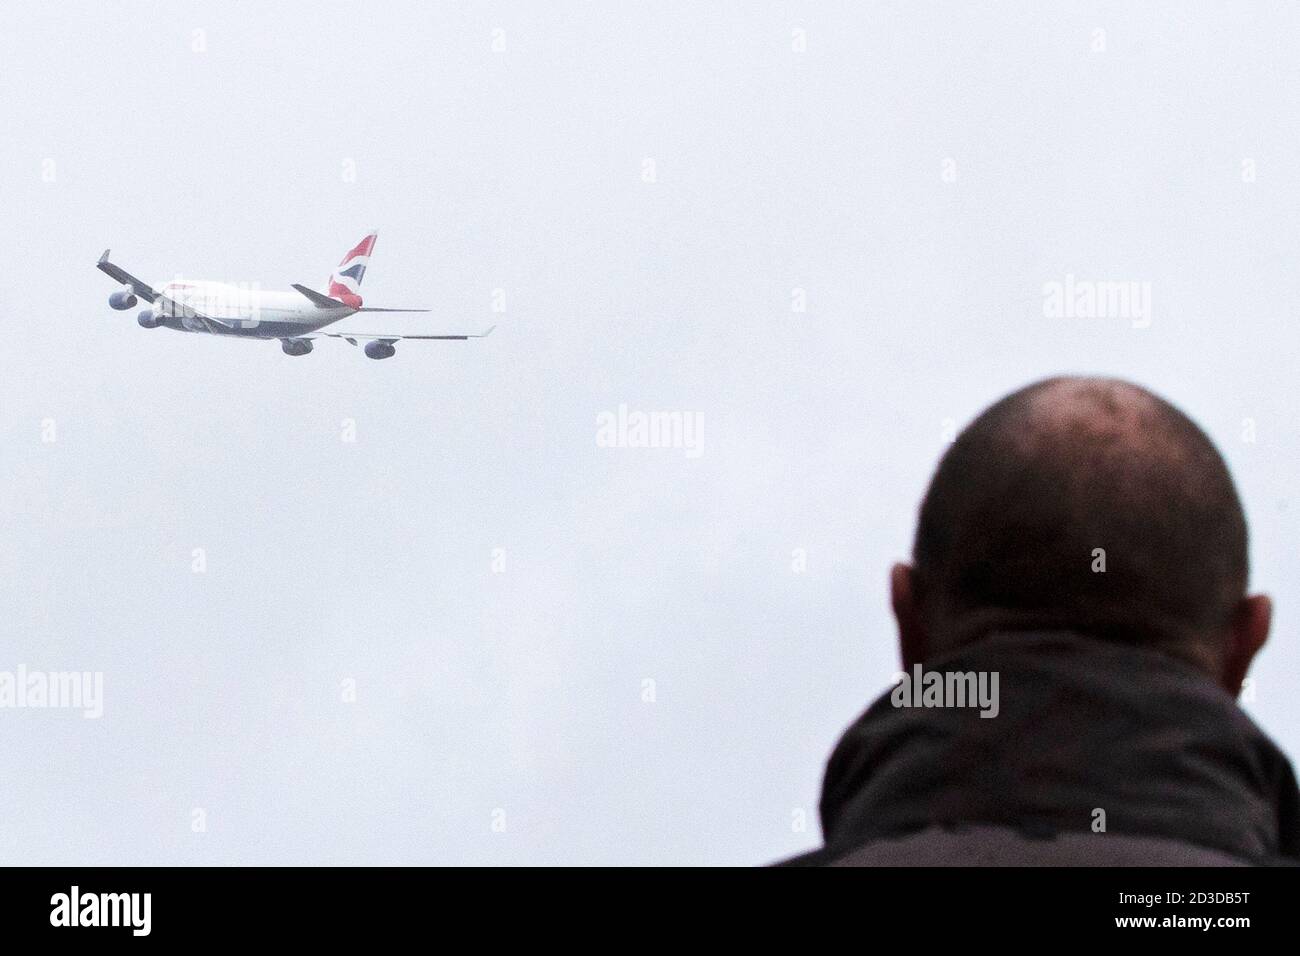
(1086, 732)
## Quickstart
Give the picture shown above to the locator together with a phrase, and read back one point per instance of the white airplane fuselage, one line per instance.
(251, 313)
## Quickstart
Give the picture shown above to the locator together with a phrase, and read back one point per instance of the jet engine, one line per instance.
(122, 300)
(380, 350)
(148, 319)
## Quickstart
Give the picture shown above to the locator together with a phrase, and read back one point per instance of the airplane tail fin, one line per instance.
(345, 281)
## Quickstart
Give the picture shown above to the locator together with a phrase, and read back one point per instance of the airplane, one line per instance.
(295, 318)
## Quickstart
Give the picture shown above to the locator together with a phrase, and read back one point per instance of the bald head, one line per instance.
(1063, 479)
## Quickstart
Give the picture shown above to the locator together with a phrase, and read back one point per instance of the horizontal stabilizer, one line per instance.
(319, 300)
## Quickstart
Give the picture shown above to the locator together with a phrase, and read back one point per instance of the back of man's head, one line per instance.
(1086, 504)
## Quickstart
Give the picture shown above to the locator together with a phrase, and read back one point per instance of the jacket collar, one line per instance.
(1082, 726)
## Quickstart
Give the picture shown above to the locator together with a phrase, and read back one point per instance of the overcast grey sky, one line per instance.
(494, 587)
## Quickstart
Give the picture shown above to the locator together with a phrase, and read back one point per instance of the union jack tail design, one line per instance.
(345, 282)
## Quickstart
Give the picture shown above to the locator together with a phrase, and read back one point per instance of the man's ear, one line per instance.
(1246, 635)
(913, 641)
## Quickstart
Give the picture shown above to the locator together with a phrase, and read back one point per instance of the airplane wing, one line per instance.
(352, 337)
(379, 345)
(169, 306)
(121, 275)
